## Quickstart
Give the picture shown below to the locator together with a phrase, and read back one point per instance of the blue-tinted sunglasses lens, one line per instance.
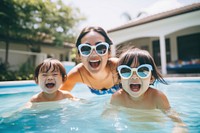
(101, 49)
(143, 71)
(125, 72)
(85, 50)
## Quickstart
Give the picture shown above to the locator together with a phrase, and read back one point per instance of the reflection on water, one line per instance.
(136, 120)
(95, 114)
(84, 116)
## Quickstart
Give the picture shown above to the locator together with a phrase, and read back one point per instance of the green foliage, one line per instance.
(25, 73)
(35, 21)
(38, 20)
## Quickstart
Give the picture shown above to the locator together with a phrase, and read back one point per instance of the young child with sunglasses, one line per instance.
(97, 69)
(50, 75)
(137, 71)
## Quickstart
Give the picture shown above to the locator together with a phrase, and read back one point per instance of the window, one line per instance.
(189, 47)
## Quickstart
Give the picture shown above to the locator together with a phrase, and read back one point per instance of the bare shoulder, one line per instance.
(160, 99)
(113, 63)
(68, 95)
(156, 93)
(114, 60)
(35, 98)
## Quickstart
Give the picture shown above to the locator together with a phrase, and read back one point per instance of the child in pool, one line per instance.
(137, 70)
(50, 75)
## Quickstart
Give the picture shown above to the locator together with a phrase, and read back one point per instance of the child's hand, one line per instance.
(180, 128)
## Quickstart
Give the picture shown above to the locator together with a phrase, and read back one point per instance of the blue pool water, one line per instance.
(93, 114)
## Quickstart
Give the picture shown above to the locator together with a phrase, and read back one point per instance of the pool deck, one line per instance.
(14, 83)
(183, 75)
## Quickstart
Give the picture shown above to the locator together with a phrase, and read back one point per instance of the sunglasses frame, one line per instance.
(134, 69)
(93, 47)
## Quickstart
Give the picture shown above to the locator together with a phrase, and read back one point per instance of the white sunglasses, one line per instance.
(100, 48)
(142, 71)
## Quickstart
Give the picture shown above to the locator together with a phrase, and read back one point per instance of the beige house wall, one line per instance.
(147, 42)
(14, 46)
(56, 52)
(20, 53)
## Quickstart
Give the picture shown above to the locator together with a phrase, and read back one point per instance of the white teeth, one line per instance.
(94, 60)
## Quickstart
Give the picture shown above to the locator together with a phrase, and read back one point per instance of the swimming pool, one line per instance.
(88, 115)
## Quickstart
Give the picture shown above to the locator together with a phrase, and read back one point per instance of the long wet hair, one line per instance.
(138, 57)
(47, 64)
(97, 29)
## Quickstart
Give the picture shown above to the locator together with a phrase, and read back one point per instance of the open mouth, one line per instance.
(94, 63)
(50, 85)
(135, 87)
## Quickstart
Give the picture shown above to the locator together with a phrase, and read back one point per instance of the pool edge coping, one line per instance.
(183, 78)
(32, 82)
(10, 83)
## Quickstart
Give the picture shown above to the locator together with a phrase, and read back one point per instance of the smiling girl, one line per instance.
(137, 71)
(97, 69)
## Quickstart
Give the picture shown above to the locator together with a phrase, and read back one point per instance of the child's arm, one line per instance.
(28, 105)
(73, 77)
(35, 98)
(161, 101)
(69, 95)
(163, 104)
(180, 126)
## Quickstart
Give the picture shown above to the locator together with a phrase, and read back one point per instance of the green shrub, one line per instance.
(24, 73)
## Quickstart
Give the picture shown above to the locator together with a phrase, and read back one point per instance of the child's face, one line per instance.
(50, 81)
(135, 81)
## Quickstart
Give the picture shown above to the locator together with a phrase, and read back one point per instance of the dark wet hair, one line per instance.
(139, 57)
(47, 64)
(97, 29)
